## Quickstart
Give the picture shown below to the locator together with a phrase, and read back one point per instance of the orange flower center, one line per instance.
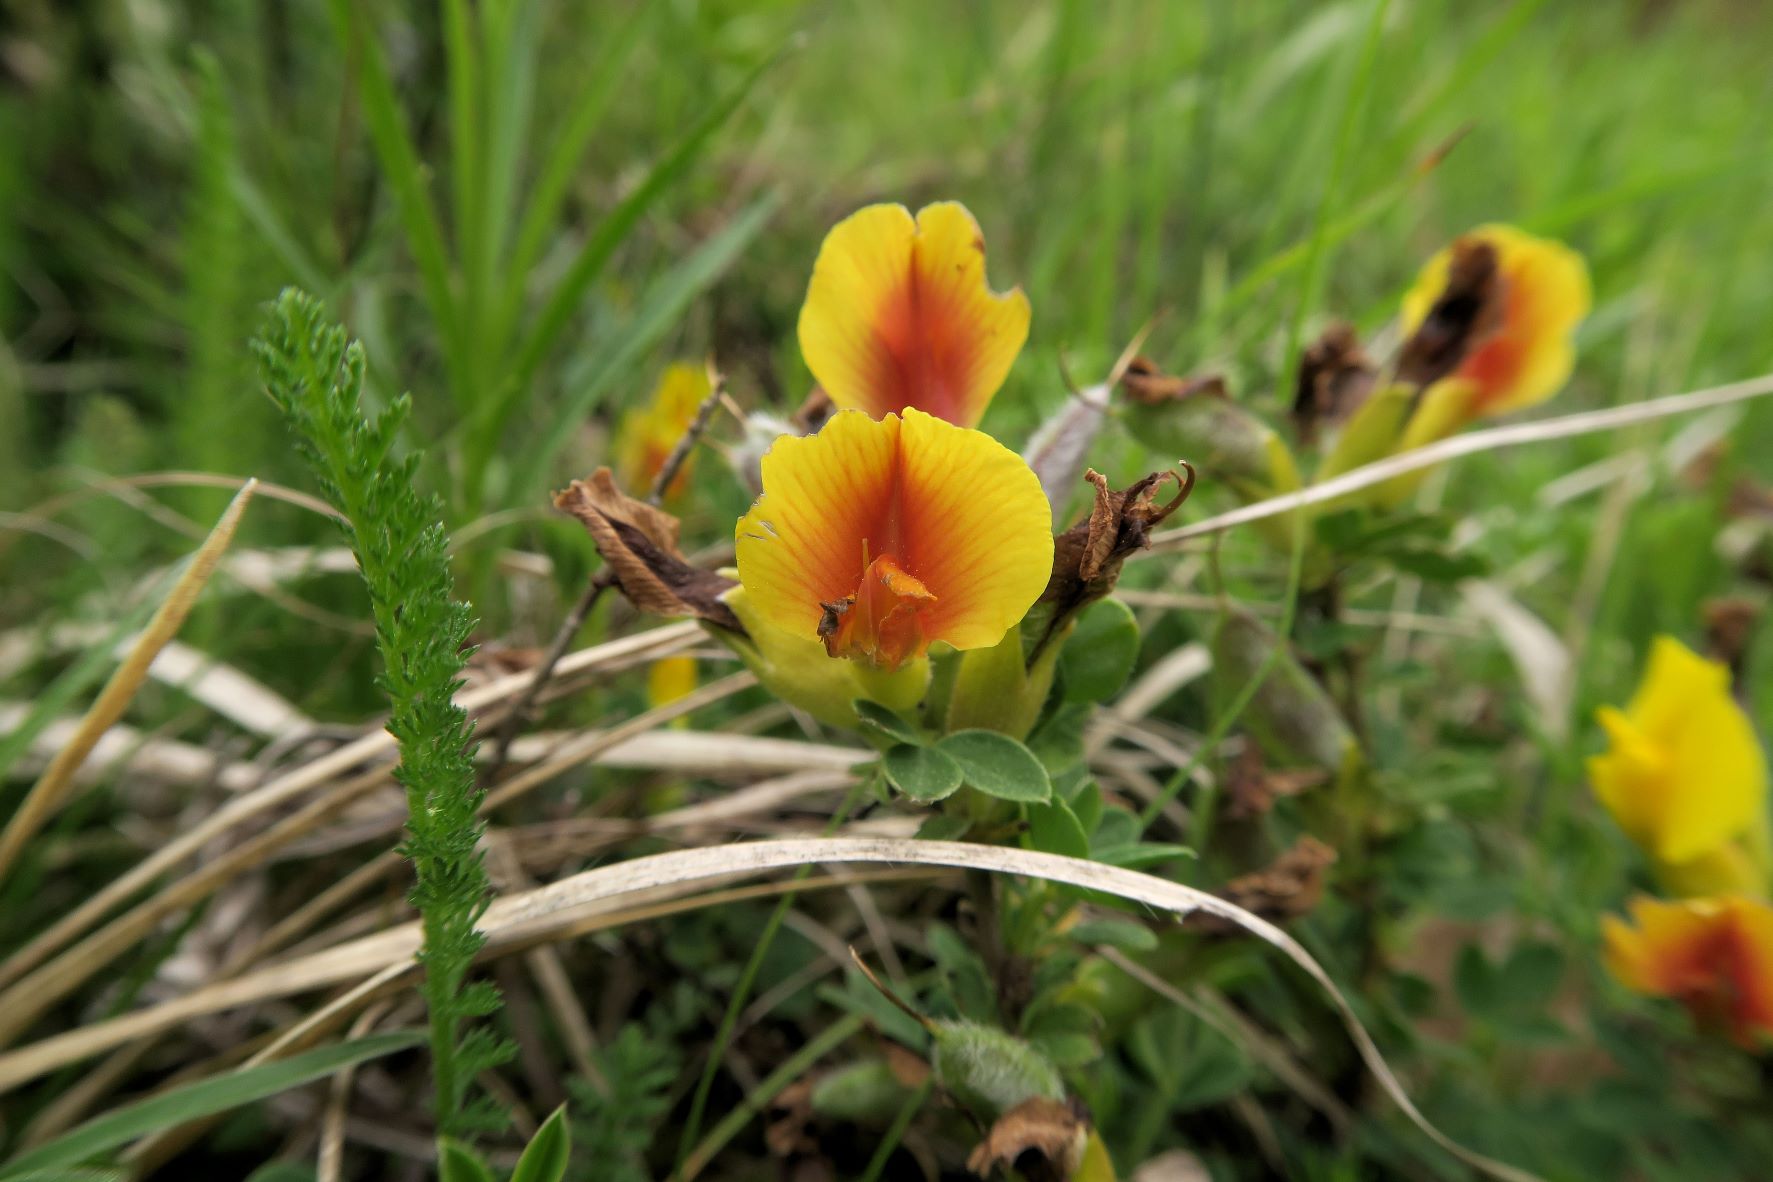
(1714, 977)
(881, 622)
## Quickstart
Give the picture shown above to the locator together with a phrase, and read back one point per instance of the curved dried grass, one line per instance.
(566, 906)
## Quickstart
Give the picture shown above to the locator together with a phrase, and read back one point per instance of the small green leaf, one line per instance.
(1114, 826)
(1100, 654)
(1439, 566)
(1086, 804)
(865, 1091)
(546, 1157)
(1066, 1034)
(1054, 829)
(997, 765)
(1530, 976)
(205, 1098)
(1474, 979)
(875, 717)
(1123, 934)
(922, 773)
(942, 827)
(456, 1162)
(1138, 855)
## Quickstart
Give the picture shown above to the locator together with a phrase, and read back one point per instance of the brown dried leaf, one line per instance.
(1748, 499)
(1042, 1140)
(1144, 382)
(1335, 378)
(1468, 310)
(1252, 788)
(908, 1067)
(1730, 624)
(787, 1135)
(1286, 888)
(639, 541)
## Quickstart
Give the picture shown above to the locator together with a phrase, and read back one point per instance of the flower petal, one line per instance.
(1716, 780)
(800, 546)
(956, 511)
(978, 530)
(1713, 955)
(649, 433)
(899, 314)
(1528, 357)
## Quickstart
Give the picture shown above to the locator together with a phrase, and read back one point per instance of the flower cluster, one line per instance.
(1686, 779)
(894, 537)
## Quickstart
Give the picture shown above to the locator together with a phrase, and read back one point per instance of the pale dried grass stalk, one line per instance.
(314, 774)
(57, 780)
(543, 913)
(1471, 443)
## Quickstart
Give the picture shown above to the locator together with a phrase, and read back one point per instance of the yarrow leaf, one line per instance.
(316, 379)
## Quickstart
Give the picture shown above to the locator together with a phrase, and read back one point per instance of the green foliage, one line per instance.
(548, 1153)
(316, 379)
(615, 1129)
(925, 774)
(1099, 655)
(204, 1098)
(608, 190)
(997, 765)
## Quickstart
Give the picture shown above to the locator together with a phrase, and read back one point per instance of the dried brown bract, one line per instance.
(1087, 557)
(1290, 886)
(639, 541)
(1335, 378)
(1042, 1140)
(1145, 383)
(1251, 787)
(1469, 309)
(1730, 624)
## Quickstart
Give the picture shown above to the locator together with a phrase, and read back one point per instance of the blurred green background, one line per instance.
(526, 210)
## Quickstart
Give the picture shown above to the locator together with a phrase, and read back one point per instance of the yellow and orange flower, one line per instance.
(1714, 956)
(649, 433)
(1525, 354)
(883, 536)
(899, 315)
(1685, 777)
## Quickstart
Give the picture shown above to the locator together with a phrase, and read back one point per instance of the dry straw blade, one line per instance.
(555, 910)
(1472, 443)
(57, 780)
(299, 782)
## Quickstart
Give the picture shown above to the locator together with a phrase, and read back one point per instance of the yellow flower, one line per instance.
(1684, 775)
(649, 433)
(898, 315)
(1521, 353)
(670, 679)
(881, 537)
(1714, 956)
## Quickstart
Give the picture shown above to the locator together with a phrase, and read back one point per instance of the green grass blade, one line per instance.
(660, 310)
(550, 190)
(205, 1098)
(466, 107)
(400, 163)
(610, 234)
